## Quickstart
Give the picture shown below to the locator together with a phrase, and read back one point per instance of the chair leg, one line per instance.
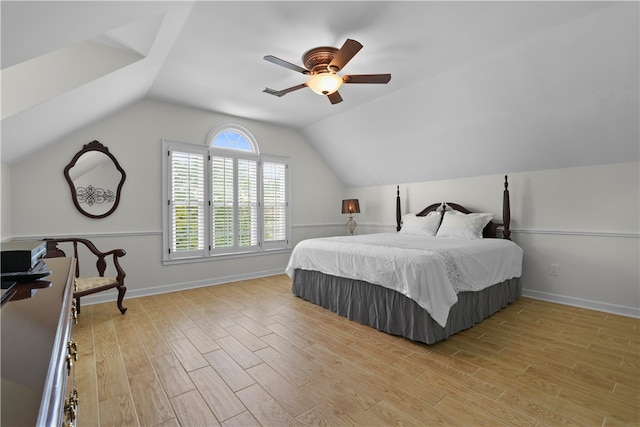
(78, 305)
(121, 291)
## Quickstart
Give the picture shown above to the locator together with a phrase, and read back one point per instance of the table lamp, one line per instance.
(351, 206)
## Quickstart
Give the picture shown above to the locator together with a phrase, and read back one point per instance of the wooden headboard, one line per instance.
(490, 231)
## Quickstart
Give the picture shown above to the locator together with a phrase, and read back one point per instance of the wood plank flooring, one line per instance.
(251, 353)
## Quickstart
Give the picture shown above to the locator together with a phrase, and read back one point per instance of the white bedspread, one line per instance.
(429, 270)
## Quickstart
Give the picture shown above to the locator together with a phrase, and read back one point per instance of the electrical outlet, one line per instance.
(554, 270)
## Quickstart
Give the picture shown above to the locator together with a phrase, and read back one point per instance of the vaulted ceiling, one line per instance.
(477, 87)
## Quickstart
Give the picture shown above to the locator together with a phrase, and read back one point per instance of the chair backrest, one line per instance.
(101, 264)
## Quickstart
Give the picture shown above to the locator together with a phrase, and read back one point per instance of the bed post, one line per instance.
(506, 211)
(398, 213)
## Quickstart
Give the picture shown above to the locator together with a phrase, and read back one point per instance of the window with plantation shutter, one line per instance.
(222, 206)
(247, 203)
(225, 199)
(234, 203)
(187, 203)
(274, 183)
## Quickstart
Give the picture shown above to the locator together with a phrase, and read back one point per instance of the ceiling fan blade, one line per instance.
(285, 64)
(367, 78)
(284, 91)
(344, 55)
(334, 97)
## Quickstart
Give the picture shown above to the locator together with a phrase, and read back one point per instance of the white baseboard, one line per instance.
(137, 293)
(583, 303)
(544, 296)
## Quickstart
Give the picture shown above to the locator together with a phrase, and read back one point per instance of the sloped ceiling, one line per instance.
(477, 87)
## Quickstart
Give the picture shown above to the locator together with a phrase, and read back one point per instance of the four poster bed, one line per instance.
(444, 270)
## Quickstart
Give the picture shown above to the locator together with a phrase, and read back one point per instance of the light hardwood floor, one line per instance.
(251, 353)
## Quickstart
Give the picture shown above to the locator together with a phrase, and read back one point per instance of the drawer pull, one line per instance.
(74, 312)
(71, 407)
(72, 349)
(69, 360)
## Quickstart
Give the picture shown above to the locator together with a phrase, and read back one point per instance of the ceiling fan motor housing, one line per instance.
(317, 60)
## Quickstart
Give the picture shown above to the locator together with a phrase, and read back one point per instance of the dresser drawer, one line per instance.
(37, 360)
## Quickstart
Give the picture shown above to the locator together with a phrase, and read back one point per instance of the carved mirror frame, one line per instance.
(95, 146)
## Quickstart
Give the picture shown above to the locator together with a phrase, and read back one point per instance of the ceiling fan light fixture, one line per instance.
(321, 65)
(324, 83)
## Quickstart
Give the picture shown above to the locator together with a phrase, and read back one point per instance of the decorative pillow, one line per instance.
(421, 225)
(468, 226)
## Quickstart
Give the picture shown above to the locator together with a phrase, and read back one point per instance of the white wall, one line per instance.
(41, 203)
(5, 202)
(584, 219)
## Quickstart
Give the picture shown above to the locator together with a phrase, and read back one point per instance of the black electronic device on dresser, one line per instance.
(21, 262)
(21, 255)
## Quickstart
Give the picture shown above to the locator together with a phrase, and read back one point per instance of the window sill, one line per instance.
(221, 257)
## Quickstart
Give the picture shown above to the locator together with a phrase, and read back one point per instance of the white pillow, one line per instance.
(468, 226)
(421, 225)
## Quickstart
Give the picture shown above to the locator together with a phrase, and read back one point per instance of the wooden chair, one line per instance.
(85, 285)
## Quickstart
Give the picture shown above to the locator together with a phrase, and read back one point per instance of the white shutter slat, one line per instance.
(222, 208)
(275, 201)
(187, 202)
(248, 203)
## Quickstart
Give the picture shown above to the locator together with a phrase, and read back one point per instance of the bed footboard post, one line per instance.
(398, 213)
(506, 210)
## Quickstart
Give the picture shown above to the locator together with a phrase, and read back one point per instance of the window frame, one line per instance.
(210, 252)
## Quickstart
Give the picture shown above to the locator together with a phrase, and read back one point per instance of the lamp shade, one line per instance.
(350, 206)
(324, 83)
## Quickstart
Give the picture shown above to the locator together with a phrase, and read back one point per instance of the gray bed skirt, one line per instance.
(396, 314)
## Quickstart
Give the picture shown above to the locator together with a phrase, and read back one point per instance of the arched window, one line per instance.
(233, 137)
(225, 198)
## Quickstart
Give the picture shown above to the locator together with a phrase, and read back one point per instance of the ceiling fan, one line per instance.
(322, 65)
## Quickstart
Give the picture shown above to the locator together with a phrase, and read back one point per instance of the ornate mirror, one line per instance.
(95, 179)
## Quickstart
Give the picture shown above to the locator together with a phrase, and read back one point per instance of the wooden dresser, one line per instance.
(38, 352)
